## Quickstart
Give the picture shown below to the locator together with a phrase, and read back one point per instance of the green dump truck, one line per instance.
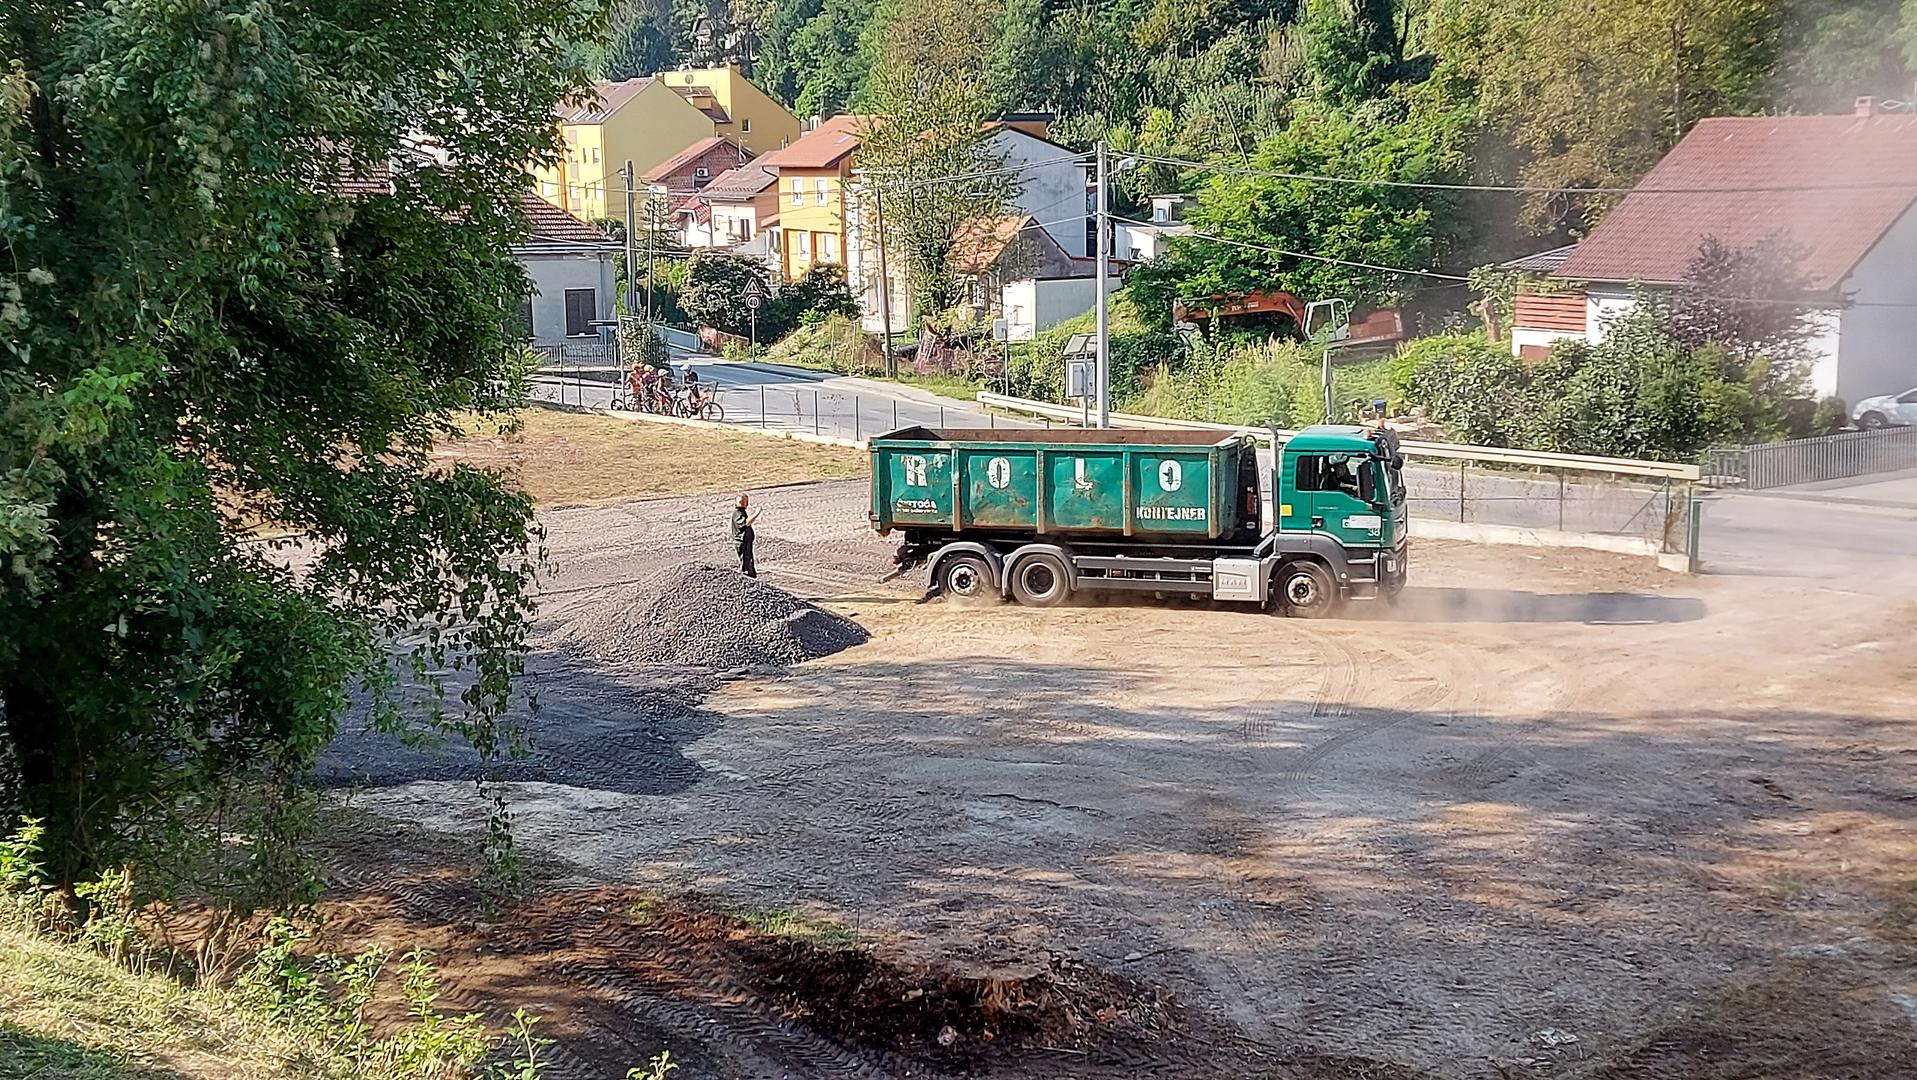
(1038, 515)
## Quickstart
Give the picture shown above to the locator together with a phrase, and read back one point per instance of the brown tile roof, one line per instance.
(740, 184)
(683, 161)
(822, 147)
(1837, 184)
(551, 223)
(980, 242)
(604, 99)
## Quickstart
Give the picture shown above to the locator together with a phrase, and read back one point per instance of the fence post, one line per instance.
(1560, 502)
(815, 412)
(762, 406)
(855, 418)
(941, 416)
(1461, 468)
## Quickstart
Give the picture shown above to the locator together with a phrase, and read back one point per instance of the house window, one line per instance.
(745, 124)
(828, 246)
(526, 318)
(802, 244)
(582, 306)
(820, 191)
(595, 155)
(798, 191)
(572, 194)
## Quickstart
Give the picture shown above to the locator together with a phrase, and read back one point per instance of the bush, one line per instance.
(1037, 370)
(834, 343)
(1832, 415)
(1476, 389)
(1256, 386)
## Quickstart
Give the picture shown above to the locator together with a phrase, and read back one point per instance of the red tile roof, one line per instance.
(684, 160)
(1838, 183)
(551, 223)
(822, 147)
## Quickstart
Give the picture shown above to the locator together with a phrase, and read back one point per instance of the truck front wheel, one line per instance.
(1307, 590)
(966, 579)
(1041, 581)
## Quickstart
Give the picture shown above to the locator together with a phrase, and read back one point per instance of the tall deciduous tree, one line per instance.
(931, 100)
(256, 264)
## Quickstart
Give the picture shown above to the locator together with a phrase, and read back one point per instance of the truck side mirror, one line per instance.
(1367, 485)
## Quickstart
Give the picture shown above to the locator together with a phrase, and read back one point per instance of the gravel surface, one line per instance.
(706, 616)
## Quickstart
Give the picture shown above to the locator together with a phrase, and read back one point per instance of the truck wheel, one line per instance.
(1041, 581)
(966, 579)
(1307, 590)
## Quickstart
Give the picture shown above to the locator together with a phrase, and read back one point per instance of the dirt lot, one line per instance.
(1558, 815)
(579, 459)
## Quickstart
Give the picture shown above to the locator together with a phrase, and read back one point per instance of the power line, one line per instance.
(1526, 189)
(1314, 258)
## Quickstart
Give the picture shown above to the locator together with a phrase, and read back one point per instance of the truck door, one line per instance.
(1333, 494)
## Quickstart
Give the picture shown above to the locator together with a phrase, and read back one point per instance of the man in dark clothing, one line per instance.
(742, 537)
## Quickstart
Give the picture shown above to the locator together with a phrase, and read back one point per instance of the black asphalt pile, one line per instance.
(713, 617)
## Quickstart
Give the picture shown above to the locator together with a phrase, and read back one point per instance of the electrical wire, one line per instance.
(1524, 189)
(1458, 278)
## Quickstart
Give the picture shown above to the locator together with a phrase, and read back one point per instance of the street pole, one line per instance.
(652, 229)
(1102, 211)
(1331, 416)
(632, 244)
(885, 286)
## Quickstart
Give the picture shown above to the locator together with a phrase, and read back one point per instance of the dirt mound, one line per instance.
(713, 617)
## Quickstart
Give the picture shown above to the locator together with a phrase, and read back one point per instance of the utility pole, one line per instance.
(652, 235)
(632, 241)
(885, 284)
(1102, 212)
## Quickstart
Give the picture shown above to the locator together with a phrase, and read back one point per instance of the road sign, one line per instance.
(754, 294)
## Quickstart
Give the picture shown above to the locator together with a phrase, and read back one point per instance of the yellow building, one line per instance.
(813, 173)
(739, 110)
(646, 121)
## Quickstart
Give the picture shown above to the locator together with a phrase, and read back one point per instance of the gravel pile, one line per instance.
(713, 617)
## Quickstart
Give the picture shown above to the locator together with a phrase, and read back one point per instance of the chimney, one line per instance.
(1866, 106)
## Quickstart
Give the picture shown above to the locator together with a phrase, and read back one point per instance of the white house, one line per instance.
(1140, 243)
(1052, 196)
(570, 264)
(1844, 188)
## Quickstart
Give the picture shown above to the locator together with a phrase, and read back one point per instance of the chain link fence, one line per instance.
(1647, 513)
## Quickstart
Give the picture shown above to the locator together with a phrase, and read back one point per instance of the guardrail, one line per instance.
(1807, 461)
(1662, 470)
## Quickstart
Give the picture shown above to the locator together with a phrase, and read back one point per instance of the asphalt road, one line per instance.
(796, 399)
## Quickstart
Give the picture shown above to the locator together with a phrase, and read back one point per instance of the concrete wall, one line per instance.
(1053, 194)
(1878, 351)
(552, 275)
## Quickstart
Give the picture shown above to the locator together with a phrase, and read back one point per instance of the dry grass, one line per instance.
(69, 1014)
(578, 459)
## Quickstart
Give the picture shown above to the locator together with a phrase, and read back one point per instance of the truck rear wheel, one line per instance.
(1041, 581)
(967, 579)
(1307, 590)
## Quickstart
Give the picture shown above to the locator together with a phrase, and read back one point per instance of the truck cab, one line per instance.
(1338, 491)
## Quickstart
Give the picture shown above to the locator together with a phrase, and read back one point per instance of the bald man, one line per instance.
(742, 537)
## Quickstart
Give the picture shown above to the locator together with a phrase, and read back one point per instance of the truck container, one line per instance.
(1037, 515)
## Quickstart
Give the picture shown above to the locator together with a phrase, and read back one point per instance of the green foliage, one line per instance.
(656, 1069)
(251, 337)
(826, 62)
(714, 293)
(1641, 393)
(836, 343)
(1037, 369)
(1260, 216)
(1831, 416)
(641, 47)
(524, 1050)
(820, 293)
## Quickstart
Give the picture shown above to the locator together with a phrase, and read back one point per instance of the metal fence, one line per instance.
(1633, 513)
(1807, 461)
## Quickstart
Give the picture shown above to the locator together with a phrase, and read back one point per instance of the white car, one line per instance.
(1890, 410)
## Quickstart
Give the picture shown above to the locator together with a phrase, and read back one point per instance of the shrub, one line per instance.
(1037, 370)
(1831, 416)
(834, 343)
(1476, 389)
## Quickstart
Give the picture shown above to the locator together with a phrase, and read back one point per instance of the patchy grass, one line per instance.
(581, 459)
(785, 923)
(73, 1015)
